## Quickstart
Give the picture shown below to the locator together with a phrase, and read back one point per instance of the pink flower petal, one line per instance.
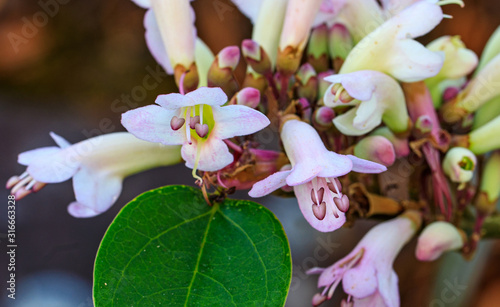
(360, 281)
(249, 8)
(235, 120)
(152, 123)
(56, 167)
(145, 4)
(95, 192)
(365, 166)
(269, 185)
(329, 222)
(214, 154)
(174, 101)
(388, 287)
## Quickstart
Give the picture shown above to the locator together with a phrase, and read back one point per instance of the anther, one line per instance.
(319, 211)
(321, 192)
(177, 123)
(201, 130)
(342, 203)
(193, 121)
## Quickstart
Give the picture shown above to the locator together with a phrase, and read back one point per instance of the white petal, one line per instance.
(145, 4)
(95, 192)
(214, 154)
(235, 120)
(249, 8)
(365, 166)
(212, 96)
(388, 287)
(155, 41)
(57, 167)
(152, 123)
(269, 185)
(60, 141)
(27, 157)
(344, 123)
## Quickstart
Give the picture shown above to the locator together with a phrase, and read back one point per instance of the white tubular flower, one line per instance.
(97, 165)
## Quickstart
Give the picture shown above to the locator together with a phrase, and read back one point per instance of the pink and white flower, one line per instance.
(314, 176)
(198, 122)
(97, 166)
(366, 273)
(376, 97)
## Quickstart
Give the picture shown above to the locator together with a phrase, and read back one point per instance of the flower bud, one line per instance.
(221, 73)
(305, 107)
(489, 190)
(377, 149)
(423, 125)
(458, 60)
(401, 147)
(323, 117)
(459, 164)
(323, 85)
(307, 82)
(339, 44)
(255, 80)
(248, 96)
(256, 57)
(317, 49)
(491, 49)
(437, 238)
(483, 139)
(296, 27)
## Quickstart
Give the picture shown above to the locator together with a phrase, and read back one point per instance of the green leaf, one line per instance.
(168, 247)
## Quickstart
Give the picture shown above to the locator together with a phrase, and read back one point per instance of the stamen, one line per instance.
(12, 182)
(20, 184)
(31, 184)
(188, 123)
(196, 161)
(447, 16)
(193, 121)
(319, 211)
(313, 197)
(23, 175)
(201, 130)
(321, 192)
(177, 123)
(201, 114)
(339, 91)
(445, 2)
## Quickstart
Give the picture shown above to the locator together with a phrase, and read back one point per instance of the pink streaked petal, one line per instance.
(155, 41)
(95, 192)
(145, 4)
(388, 287)
(365, 166)
(175, 101)
(152, 123)
(335, 165)
(57, 167)
(60, 141)
(27, 157)
(235, 120)
(270, 184)
(329, 223)
(212, 96)
(214, 154)
(360, 282)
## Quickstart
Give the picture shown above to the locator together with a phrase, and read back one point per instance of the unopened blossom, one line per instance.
(366, 273)
(97, 166)
(459, 164)
(377, 149)
(391, 47)
(314, 176)
(198, 123)
(489, 190)
(458, 63)
(376, 97)
(437, 238)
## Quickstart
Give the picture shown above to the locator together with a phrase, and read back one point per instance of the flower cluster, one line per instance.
(350, 97)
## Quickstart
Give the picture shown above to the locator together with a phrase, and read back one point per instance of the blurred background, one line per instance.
(84, 65)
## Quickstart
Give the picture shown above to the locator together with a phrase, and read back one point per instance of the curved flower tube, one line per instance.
(97, 165)
(438, 238)
(198, 123)
(314, 176)
(366, 273)
(376, 97)
(390, 48)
